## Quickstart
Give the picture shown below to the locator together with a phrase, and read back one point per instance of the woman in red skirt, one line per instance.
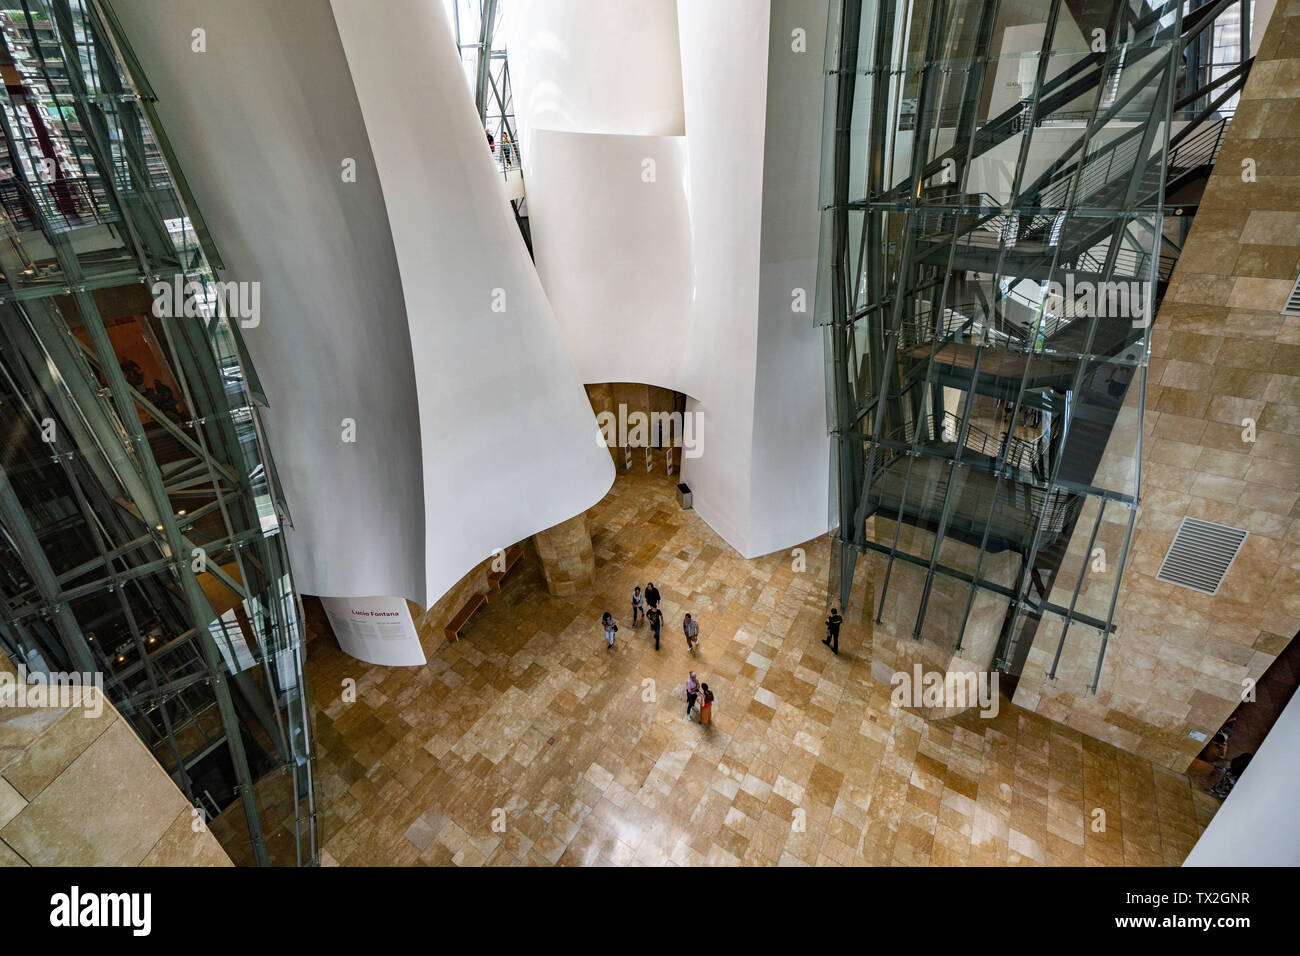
(706, 704)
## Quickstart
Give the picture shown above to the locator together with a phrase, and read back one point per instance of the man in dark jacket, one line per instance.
(656, 619)
(833, 623)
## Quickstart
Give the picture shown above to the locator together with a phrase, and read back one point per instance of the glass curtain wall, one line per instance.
(139, 506)
(481, 44)
(993, 188)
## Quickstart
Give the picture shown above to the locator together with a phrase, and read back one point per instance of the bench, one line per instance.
(472, 604)
(513, 554)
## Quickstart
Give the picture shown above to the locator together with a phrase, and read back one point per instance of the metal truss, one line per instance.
(476, 24)
(140, 523)
(967, 396)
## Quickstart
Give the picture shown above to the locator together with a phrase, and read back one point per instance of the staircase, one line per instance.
(955, 292)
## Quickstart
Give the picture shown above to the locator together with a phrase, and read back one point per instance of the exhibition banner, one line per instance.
(377, 630)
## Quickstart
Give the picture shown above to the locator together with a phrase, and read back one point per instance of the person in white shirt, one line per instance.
(638, 604)
(692, 691)
(691, 629)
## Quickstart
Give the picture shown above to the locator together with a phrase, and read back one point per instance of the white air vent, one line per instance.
(1201, 555)
(1292, 306)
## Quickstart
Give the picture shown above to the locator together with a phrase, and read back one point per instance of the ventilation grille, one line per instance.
(1201, 555)
(1292, 306)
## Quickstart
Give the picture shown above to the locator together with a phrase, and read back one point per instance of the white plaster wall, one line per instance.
(261, 123)
(598, 96)
(613, 247)
(686, 282)
(652, 282)
(473, 430)
(1257, 824)
(724, 89)
(753, 121)
(585, 66)
(791, 449)
(508, 436)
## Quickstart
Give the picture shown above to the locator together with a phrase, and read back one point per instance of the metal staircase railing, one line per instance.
(1021, 493)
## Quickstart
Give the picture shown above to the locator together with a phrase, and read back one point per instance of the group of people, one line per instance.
(645, 604)
(505, 146)
(696, 691)
(159, 395)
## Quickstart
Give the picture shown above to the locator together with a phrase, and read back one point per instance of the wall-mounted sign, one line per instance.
(377, 630)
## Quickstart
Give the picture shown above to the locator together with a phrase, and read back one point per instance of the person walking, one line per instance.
(165, 400)
(651, 594)
(692, 691)
(637, 604)
(833, 622)
(656, 619)
(610, 628)
(691, 629)
(505, 148)
(706, 704)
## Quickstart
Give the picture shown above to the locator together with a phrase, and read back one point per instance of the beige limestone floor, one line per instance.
(79, 788)
(529, 743)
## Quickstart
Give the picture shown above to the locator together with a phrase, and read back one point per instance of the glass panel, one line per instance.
(988, 306)
(141, 519)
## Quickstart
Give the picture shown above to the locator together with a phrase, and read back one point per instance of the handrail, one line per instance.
(1030, 500)
(499, 159)
(1022, 453)
(1200, 149)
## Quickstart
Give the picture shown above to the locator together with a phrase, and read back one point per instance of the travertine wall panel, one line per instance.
(78, 788)
(568, 560)
(1221, 354)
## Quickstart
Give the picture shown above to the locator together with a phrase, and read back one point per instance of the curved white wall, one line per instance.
(507, 433)
(261, 123)
(598, 104)
(595, 67)
(614, 251)
(724, 87)
(473, 430)
(687, 283)
(791, 450)
(1257, 824)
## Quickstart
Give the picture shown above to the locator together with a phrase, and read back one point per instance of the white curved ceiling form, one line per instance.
(377, 295)
(261, 123)
(595, 67)
(598, 105)
(614, 251)
(686, 282)
(508, 435)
